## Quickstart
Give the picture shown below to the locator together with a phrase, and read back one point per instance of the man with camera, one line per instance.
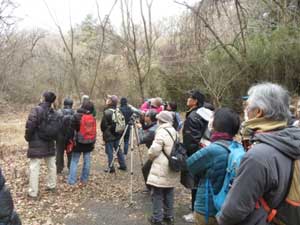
(112, 127)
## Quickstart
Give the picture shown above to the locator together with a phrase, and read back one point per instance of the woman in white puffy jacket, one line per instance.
(161, 179)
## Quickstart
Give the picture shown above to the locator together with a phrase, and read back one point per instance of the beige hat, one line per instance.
(165, 116)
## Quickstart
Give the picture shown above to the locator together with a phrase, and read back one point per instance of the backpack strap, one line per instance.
(224, 144)
(173, 141)
(273, 212)
(171, 135)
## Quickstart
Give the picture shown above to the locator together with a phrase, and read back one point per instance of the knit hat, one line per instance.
(114, 99)
(49, 96)
(165, 116)
(68, 101)
(123, 101)
(195, 94)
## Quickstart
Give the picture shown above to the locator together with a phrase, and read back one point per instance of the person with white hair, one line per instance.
(264, 175)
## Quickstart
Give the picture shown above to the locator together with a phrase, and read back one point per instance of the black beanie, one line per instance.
(123, 101)
(49, 96)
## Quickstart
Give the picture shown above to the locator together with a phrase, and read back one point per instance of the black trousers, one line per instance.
(60, 150)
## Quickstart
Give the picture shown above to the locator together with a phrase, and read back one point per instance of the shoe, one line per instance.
(169, 221)
(189, 218)
(53, 190)
(146, 191)
(109, 170)
(82, 184)
(32, 198)
(153, 222)
(122, 168)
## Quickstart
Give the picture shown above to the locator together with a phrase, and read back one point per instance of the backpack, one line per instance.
(66, 123)
(178, 156)
(118, 120)
(49, 125)
(235, 154)
(87, 131)
(288, 211)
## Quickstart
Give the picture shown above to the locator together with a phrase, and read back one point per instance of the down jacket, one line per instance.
(209, 163)
(160, 174)
(38, 148)
(7, 214)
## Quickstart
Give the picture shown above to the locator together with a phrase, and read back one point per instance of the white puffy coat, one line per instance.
(160, 174)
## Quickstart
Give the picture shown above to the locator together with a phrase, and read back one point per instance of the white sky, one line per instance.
(35, 13)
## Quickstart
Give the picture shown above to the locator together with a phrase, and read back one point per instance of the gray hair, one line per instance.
(272, 99)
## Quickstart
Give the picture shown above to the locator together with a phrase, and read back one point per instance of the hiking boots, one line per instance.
(169, 221)
(110, 170)
(153, 222)
(122, 168)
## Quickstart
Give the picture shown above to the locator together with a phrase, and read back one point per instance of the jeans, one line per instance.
(72, 179)
(34, 170)
(110, 147)
(162, 203)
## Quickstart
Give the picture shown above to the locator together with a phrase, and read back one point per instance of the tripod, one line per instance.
(133, 131)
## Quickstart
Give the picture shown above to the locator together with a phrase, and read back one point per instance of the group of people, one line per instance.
(259, 194)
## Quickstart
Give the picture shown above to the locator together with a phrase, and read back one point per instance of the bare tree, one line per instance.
(103, 24)
(139, 44)
(69, 47)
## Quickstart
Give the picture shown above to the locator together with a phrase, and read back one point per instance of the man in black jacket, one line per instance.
(65, 134)
(39, 148)
(110, 137)
(7, 214)
(193, 130)
(127, 112)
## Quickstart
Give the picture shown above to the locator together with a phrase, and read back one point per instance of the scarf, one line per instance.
(250, 127)
(220, 135)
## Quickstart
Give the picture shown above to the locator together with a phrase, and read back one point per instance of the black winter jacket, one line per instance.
(127, 113)
(193, 130)
(108, 126)
(37, 148)
(7, 214)
(79, 147)
(66, 133)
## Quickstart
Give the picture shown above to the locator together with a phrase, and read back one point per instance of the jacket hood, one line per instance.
(287, 141)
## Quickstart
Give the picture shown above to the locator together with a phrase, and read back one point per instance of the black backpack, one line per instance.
(178, 156)
(49, 125)
(66, 123)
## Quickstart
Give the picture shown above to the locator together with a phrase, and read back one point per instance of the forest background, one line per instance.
(218, 46)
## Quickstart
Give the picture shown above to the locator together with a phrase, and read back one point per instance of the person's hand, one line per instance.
(139, 125)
